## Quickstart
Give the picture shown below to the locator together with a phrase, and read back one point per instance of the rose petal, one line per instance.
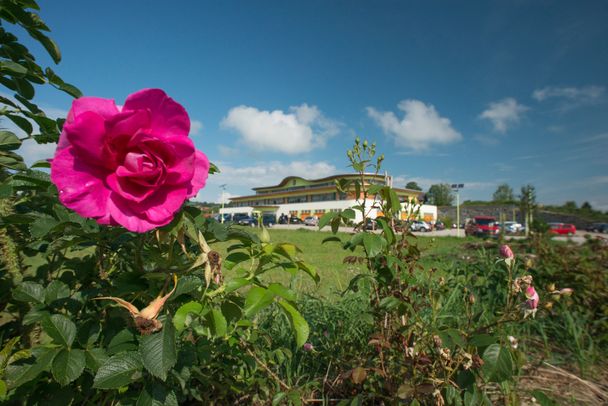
(129, 190)
(128, 122)
(87, 134)
(164, 203)
(122, 213)
(168, 118)
(80, 185)
(181, 167)
(201, 172)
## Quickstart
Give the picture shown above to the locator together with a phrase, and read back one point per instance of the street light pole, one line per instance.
(456, 187)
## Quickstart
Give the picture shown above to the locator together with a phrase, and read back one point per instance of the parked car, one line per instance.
(311, 221)
(420, 225)
(439, 226)
(513, 227)
(269, 220)
(371, 224)
(482, 226)
(248, 221)
(227, 217)
(598, 228)
(562, 228)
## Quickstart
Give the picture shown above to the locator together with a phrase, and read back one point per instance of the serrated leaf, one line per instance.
(235, 258)
(257, 298)
(68, 365)
(181, 315)
(298, 323)
(10, 160)
(42, 225)
(56, 290)
(158, 351)
(9, 141)
(61, 329)
(17, 375)
(498, 364)
(156, 395)
(29, 292)
(95, 358)
(118, 370)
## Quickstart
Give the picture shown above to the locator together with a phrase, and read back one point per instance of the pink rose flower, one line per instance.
(133, 165)
(505, 251)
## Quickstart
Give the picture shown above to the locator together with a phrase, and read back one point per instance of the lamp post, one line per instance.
(456, 187)
(223, 187)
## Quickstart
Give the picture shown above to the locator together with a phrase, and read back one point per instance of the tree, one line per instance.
(570, 205)
(504, 193)
(413, 185)
(440, 195)
(586, 206)
(527, 202)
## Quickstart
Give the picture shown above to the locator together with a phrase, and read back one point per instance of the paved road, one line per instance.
(578, 238)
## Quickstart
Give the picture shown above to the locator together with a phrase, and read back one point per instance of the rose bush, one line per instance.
(132, 166)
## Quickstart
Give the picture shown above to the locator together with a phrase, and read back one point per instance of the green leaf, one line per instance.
(3, 389)
(29, 292)
(118, 370)
(68, 365)
(9, 141)
(482, 340)
(88, 333)
(48, 44)
(327, 217)
(13, 68)
(158, 351)
(282, 291)
(348, 214)
(298, 323)
(61, 329)
(21, 122)
(310, 270)
(11, 160)
(217, 323)
(42, 225)
(235, 258)
(95, 358)
(373, 244)
(61, 85)
(181, 315)
(331, 239)
(156, 395)
(287, 250)
(235, 284)
(257, 298)
(186, 284)
(17, 375)
(498, 364)
(24, 88)
(56, 290)
(543, 399)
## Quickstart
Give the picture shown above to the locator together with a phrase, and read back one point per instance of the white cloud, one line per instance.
(301, 129)
(585, 94)
(240, 180)
(420, 127)
(196, 126)
(503, 113)
(31, 151)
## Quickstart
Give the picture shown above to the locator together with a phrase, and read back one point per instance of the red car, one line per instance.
(482, 226)
(562, 228)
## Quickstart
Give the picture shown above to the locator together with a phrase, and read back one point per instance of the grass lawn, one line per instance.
(328, 258)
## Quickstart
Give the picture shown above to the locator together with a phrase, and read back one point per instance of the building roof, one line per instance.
(270, 190)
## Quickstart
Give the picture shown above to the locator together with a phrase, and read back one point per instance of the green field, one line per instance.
(328, 258)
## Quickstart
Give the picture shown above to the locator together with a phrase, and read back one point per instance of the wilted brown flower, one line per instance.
(145, 320)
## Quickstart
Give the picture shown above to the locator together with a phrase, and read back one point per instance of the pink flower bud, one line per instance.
(308, 347)
(566, 292)
(505, 251)
(533, 297)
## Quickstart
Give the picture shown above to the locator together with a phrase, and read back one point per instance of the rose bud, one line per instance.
(566, 291)
(308, 347)
(505, 251)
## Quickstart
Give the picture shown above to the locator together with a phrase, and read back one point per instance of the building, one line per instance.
(296, 196)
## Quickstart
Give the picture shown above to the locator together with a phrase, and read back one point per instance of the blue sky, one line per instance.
(478, 93)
